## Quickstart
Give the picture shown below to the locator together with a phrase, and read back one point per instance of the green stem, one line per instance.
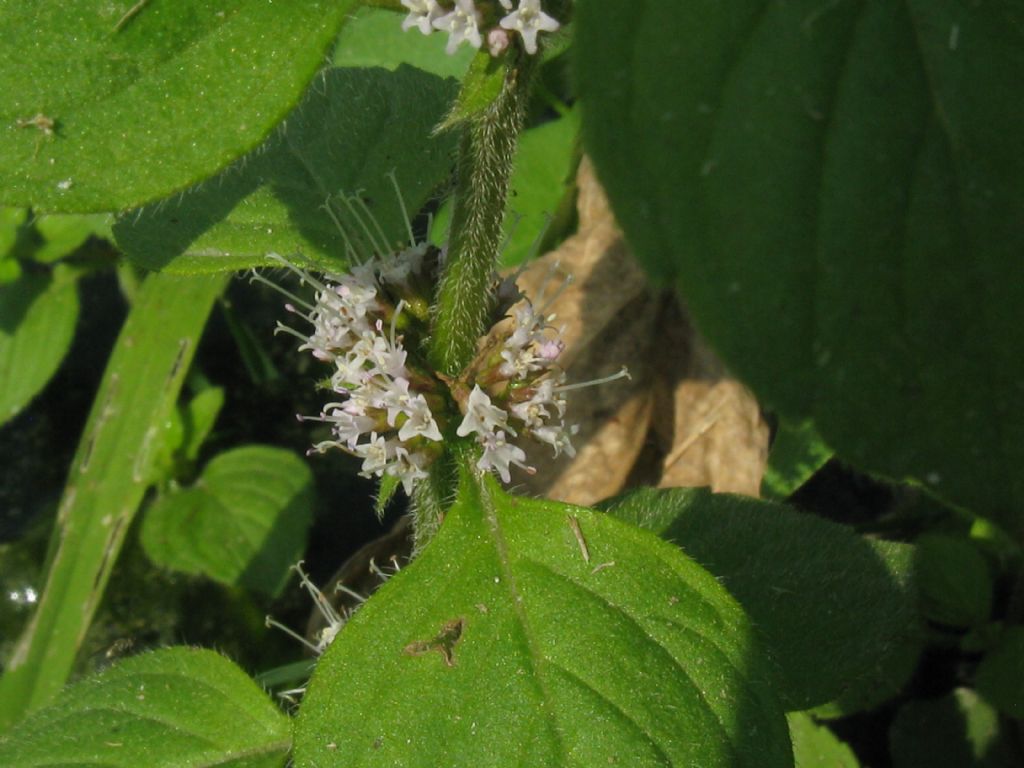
(107, 482)
(486, 152)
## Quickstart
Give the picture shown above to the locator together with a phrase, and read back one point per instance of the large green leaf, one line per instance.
(175, 708)
(38, 313)
(112, 469)
(355, 126)
(830, 604)
(837, 189)
(504, 645)
(107, 105)
(243, 522)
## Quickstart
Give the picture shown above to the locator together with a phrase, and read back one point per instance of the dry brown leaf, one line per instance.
(680, 413)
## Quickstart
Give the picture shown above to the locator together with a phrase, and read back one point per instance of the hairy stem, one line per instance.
(486, 152)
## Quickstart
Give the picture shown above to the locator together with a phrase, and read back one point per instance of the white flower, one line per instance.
(408, 467)
(347, 427)
(482, 416)
(558, 437)
(375, 455)
(541, 406)
(419, 421)
(463, 23)
(421, 14)
(499, 454)
(528, 20)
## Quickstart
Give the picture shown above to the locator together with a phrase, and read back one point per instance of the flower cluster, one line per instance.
(389, 408)
(383, 412)
(517, 390)
(464, 22)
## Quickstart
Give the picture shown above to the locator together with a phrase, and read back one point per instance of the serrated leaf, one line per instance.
(175, 708)
(836, 190)
(502, 644)
(243, 523)
(829, 603)
(374, 38)
(354, 127)
(38, 313)
(956, 731)
(815, 746)
(160, 96)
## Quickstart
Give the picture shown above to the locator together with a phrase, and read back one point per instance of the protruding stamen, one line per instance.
(401, 203)
(379, 248)
(623, 374)
(272, 623)
(373, 220)
(349, 247)
(256, 277)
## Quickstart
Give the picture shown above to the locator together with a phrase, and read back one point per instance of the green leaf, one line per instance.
(815, 746)
(1001, 674)
(374, 38)
(63, 233)
(108, 478)
(955, 583)
(198, 418)
(11, 220)
(829, 603)
(480, 89)
(243, 523)
(354, 127)
(38, 313)
(175, 708)
(542, 176)
(957, 731)
(108, 105)
(502, 645)
(836, 189)
(797, 452)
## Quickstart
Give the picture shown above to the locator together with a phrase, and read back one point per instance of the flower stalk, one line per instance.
(486, 151)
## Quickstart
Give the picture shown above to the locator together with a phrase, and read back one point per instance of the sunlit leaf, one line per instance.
(537, 633)
(169, 709)
(243, 522)
(355, 126)
(106, 105)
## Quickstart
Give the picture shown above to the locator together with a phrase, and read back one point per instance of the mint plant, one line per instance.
(833, 192)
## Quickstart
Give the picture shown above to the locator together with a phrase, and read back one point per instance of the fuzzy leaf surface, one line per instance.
(107, 105)
(174, 708)
(828, 603)
(837, 190)
(353, 128)
(501, 645)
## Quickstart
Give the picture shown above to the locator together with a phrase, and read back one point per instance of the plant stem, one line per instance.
(486, 152)
(107, 482)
